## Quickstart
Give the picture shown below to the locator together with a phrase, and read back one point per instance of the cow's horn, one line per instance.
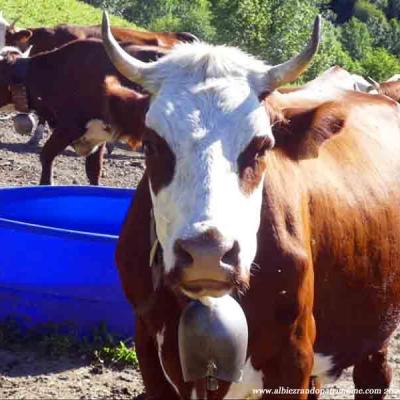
(12, 25)
(132, 68)
(375, 84)
(290, 70)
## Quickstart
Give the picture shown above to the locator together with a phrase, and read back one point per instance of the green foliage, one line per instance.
(165, 15)
(34, 13)
(331, 53)
(283, 43)
(393, 9)
(380, 64)
(117, 355)
(365, 10)
(243, 23)
(194, 17)
(274, 30)
(356, 38)
(344, 9)
(393, 39)
(53, 340)
(381, 4)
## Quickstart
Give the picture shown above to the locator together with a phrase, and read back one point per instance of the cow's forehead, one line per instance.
(208, 92)
(215, 109)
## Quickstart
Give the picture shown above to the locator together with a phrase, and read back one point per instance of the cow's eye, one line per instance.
(149, 148)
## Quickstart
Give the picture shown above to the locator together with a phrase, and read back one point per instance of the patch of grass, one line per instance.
(117, 355)
(35, 13)
(52, 340)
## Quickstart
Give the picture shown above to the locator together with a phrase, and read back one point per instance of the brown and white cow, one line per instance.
(45, 39)
(66, 88)
(290, 202)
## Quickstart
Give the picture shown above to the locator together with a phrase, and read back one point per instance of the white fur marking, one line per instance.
(160, 342)
(323, 364)
(97, 133)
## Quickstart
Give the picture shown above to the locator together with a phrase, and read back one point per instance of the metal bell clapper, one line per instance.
(212, 382)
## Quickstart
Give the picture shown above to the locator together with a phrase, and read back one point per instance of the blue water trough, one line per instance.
(57, 257)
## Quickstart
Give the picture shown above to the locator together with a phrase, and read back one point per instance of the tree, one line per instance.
(393, 38)
(243, 23)
(194, 17)
(375, 19)
(165, 15)
(355, 38)
(381, 4)
(380, 64)
(290, 28)
(393, 9)
(331, 53)
(343, 8)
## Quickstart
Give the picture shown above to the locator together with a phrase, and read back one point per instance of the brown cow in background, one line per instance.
(45, 39)
(66, 88)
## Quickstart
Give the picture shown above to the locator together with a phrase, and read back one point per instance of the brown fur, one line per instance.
(66, 88)
(390, 89)
(45, 39)
(252, 164)
(125, 110)
(328, 250)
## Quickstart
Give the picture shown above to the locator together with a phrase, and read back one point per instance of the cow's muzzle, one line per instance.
(207, 265)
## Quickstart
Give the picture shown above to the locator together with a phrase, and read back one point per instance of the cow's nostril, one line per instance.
(231, 257)
(183, 257)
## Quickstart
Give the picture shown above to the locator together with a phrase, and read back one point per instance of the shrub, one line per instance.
(380, 64)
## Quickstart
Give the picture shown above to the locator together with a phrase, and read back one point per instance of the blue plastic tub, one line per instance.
(57, 257)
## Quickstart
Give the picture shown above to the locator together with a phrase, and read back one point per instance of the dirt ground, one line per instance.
(26, 375)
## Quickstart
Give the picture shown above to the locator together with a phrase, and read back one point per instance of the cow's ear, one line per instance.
(22, 36)
(302, 132)
(125, 110)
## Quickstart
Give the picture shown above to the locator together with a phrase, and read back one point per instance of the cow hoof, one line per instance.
(110, 148)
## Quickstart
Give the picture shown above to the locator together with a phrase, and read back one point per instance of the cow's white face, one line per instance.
(208, 121)
(205, 155)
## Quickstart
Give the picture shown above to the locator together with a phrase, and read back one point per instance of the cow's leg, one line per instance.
(38, 133)
(296, 368)
(94, 164)
(57, 142)
(372, 373)
(315, 388)
(155, 382)
(110, 147)
(288, 372)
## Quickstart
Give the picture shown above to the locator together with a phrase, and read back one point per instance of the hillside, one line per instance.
(362, 36)
(34, 13)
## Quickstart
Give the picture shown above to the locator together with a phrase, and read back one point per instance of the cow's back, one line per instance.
(71, 79)
(47, 39)
(339, 207)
